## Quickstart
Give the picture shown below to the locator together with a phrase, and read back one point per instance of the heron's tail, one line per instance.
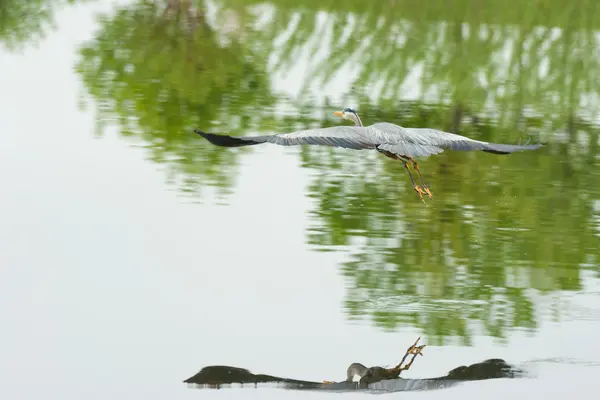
(230, 141)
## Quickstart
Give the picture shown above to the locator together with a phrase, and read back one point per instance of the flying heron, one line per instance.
(394, 141)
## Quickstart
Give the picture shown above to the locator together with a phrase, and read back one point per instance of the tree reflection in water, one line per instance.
(500, 231)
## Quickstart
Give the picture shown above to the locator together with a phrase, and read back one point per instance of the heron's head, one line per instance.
(349, 114)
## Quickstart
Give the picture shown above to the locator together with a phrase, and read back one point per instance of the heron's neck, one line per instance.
(355, 369)
(358, 121)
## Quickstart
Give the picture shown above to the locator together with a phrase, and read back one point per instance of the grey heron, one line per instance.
(394, 141)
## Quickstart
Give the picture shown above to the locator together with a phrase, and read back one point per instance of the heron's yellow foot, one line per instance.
(419, 191)
(416, 349)
(328, 382)
(426, 190)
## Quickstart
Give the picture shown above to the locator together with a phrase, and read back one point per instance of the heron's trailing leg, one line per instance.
(424, 187)
(405, 159)
(417, 187)
(415, 351)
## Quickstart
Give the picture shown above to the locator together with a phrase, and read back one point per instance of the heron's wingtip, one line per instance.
(510, 148)
(535, 145)
(225, 140)
(199, 132)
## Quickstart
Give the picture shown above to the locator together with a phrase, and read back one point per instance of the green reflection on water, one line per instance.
(24, 21)
(500, 229)
(159, 70)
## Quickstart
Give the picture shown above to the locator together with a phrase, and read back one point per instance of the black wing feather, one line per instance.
(230, 141)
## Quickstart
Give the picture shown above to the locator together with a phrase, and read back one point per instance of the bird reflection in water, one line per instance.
(376, 374)
(372, 378)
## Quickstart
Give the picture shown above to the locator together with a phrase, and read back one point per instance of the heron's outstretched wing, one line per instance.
(421, 142)
(352, 137)
(411, 142)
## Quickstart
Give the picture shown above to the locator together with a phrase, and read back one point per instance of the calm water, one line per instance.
(133, 253)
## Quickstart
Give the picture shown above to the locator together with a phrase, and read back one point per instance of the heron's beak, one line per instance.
(338, 114)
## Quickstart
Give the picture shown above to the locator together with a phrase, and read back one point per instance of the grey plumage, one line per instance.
(407, 142)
